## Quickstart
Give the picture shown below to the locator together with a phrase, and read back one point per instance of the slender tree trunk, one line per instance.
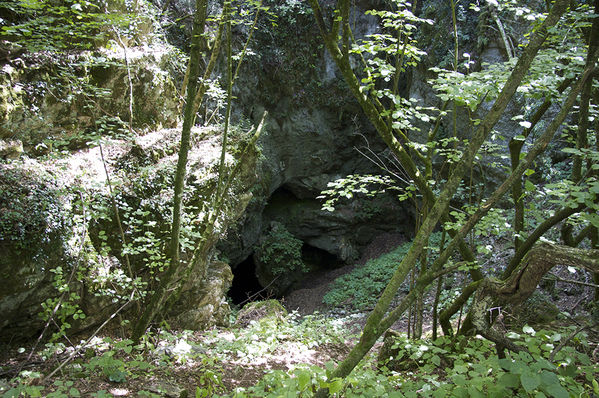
(157, 298)
(515, 147)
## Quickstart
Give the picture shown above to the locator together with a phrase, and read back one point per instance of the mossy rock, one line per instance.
(537, 310)
(389, 354)
(258, 310)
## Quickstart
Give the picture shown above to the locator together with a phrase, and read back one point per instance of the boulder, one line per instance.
(258, 310)
(203, 301)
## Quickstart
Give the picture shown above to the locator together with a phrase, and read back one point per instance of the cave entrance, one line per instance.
(319, 259)
(245, 286)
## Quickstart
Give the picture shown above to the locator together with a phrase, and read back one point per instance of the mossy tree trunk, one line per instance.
(494, 294)
(158, 297)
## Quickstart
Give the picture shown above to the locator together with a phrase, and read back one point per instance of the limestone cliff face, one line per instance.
(43, 107)
(316, 134)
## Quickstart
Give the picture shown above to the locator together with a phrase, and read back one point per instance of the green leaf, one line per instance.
(557, 391)
(459, 380)
(509, 380)
(335, 386)
(528, 330)
(303, 379)
(530, 381)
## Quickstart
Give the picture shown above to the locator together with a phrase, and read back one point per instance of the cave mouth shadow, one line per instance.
(245, 286)
(320, 259)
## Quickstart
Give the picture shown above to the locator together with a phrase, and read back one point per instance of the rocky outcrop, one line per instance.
(34, 232)
(46, 206)
(95, 99)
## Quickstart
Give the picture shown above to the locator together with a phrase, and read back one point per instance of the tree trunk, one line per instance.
(157, 299)
(493, 294)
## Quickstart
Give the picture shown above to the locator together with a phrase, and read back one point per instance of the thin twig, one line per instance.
(116, 210)
(76, 351)
(118, 36)
(563, 343)
(552, 277)
(258, 292)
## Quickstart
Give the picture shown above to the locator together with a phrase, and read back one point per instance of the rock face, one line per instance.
(30, 111)
(203, 300)
(315, 133)
(34, 229)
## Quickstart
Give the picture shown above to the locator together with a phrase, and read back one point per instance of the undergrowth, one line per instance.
(462, 367)
(361, 288)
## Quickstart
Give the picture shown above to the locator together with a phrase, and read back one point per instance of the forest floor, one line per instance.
(220, 360)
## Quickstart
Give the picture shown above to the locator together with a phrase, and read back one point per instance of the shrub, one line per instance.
(281, 251)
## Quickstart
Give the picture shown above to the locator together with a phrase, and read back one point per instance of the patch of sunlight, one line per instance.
(119, 392)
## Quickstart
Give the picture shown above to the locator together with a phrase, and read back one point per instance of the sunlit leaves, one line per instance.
(69, 25)
(347, 187)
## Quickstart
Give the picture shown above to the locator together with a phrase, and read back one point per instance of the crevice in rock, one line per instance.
(245, 286)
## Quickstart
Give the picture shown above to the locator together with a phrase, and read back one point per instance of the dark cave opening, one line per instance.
(319, 259)
(245, 286)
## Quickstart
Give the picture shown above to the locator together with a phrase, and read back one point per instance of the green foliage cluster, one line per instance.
(58, 45)
(30, 206)
(347, 187)
(290, 51)
(57, 26)
(361, 288)
(470, 368)
(280, 251)
(64, 308)
(565, 193)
